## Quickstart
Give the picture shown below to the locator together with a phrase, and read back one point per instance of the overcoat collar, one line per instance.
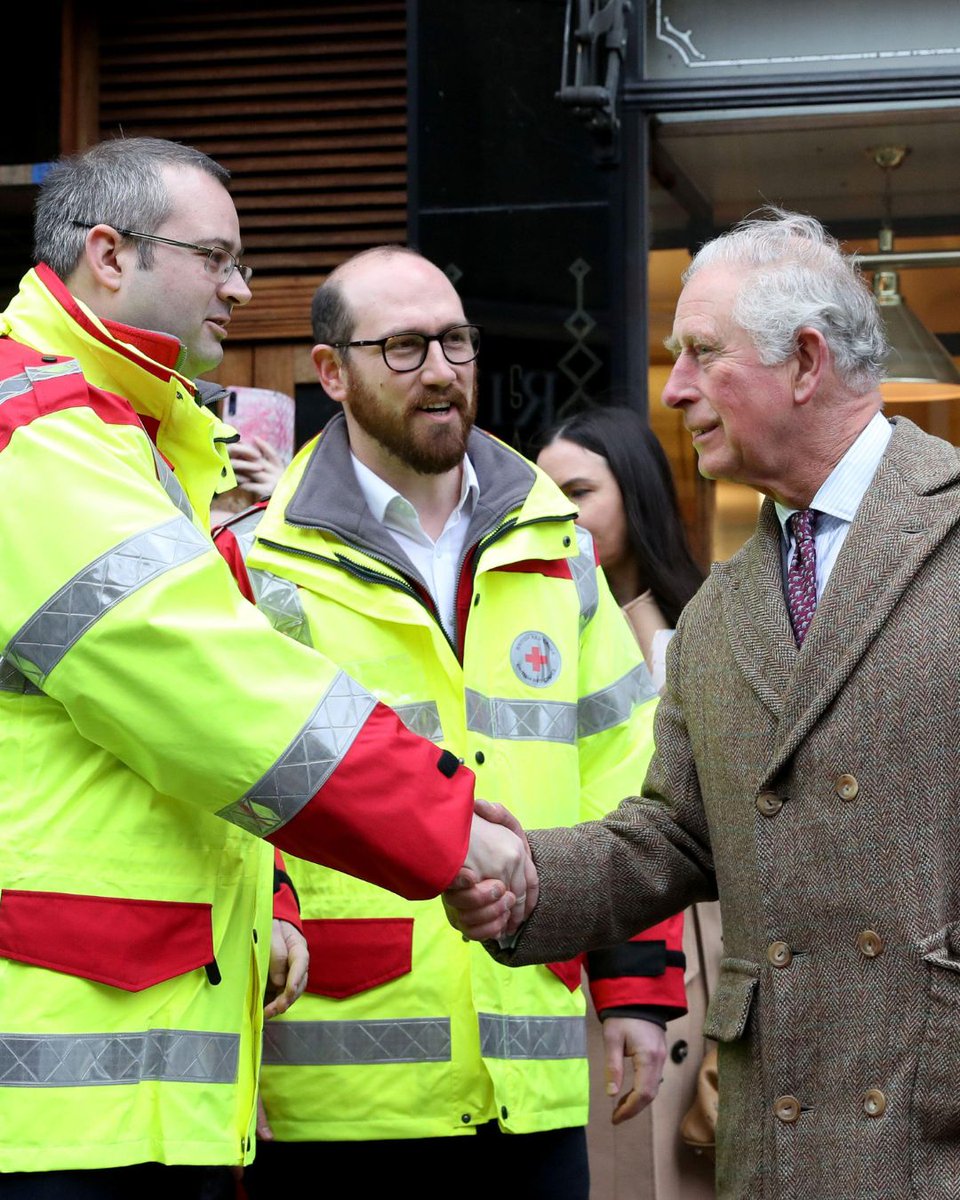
(909, 508)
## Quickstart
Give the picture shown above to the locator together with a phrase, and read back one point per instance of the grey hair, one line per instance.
(332, 317)
(796, 276)
(118, 183)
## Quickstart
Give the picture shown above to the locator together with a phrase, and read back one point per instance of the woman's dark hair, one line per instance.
(655, 531)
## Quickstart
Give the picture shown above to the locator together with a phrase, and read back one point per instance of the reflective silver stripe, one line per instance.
(422, 718)
(278, 599)
(521, 720)
(171, 484)
(307, 763)
(532, 1037)
(339, 1043)
(88, 1059)
(16, 385)
(583, 568)
(53, 629)
(11, 680)
(19, 385)
(613, 705)
(52, 370)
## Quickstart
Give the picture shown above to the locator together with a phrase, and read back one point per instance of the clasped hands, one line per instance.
(496, 888)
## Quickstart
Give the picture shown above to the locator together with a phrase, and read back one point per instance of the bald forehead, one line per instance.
(398, 292)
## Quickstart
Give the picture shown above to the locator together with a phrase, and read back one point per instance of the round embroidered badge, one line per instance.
(535, 659)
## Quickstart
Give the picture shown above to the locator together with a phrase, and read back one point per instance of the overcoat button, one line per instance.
(847, 787)
(786, 1109)
(679, 1051)
(869, 943)
(779, 954)
(874, 1103)
(769, 803)
(480, 757)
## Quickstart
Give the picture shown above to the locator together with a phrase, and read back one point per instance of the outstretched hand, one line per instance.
(497, 887)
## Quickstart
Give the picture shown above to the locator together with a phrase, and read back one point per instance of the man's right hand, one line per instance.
(496, 889)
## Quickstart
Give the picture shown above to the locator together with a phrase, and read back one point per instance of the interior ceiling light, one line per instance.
(918, 367)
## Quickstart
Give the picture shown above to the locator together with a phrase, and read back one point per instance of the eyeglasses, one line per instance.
(218, 262)
(408, 351)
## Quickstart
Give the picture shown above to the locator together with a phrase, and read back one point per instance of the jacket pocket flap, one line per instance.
(352, 955)
(129, 944)
(730, 1003)
(942, 949)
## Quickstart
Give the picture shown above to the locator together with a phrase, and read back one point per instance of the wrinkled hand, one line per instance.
(257, 466)
(497, 887)
(645, 1045)
(289, 960)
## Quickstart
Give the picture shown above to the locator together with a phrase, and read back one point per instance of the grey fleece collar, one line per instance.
(329, 498)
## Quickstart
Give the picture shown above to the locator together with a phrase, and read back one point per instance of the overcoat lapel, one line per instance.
(755, 612)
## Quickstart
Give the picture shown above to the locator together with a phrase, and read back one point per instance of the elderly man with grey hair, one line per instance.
(807, 764)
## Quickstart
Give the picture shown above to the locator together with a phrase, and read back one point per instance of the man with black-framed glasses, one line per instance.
(445, 572)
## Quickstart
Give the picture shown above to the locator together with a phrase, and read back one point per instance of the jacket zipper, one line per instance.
(363, 573)
(399, 585)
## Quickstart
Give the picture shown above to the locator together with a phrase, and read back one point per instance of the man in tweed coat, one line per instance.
(813, 787)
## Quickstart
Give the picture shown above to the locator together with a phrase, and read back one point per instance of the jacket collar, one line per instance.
(118, 359)
(327, 497)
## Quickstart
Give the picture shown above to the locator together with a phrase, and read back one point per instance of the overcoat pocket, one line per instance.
(936, 1096)
(730, 1003)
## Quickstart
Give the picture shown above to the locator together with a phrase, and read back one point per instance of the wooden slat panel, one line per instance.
(305, 105)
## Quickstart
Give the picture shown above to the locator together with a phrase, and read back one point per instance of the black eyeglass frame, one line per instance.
(427, 339)
(245, 272)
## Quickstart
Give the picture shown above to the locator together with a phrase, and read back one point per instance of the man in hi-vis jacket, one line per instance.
(153, 727)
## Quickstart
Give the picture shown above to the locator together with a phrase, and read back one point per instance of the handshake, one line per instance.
(496, 888)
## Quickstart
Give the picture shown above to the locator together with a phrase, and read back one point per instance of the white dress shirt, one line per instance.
(838, 499)
(437, 561)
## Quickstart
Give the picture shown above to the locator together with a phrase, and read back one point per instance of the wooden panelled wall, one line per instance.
(306, 106)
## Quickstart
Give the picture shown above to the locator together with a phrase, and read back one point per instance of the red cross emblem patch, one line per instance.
(535, 658)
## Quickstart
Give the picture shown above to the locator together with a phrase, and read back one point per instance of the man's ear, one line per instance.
(330, 371)
(812, 359)
(101, 257)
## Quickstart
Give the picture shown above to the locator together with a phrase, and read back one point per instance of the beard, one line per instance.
(427, 448)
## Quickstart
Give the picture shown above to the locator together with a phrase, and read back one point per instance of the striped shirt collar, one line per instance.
(841, 492)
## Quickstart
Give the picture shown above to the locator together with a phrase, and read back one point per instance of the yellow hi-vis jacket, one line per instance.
(151, 723)
(407, 1031)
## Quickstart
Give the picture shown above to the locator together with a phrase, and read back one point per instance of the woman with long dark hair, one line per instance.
(609, 463)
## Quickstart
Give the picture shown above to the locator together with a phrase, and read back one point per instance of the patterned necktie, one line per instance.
(802, 573)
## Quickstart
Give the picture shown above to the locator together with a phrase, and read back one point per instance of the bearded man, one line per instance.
(446, 573)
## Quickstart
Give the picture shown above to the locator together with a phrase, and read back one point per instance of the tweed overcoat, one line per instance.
(817, 792)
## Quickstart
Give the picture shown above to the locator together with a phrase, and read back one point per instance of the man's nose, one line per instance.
(435, 368)
(678, 387)
(234, 289)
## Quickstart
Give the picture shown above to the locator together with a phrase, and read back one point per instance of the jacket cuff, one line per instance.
(396, 811)
(646, 971)
(286, 902)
